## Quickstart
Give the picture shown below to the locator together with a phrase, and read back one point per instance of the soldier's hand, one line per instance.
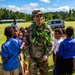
(45, 59)
(28, 57)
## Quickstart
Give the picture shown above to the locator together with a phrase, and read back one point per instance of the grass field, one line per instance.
(2, 26)
(2, 39)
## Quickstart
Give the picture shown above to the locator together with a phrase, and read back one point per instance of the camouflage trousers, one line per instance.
(36, 65)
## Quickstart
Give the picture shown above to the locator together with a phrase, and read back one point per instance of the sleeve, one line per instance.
(12, 24)
(4, 51)
(57, 47)
(51, 46)
(61, 50)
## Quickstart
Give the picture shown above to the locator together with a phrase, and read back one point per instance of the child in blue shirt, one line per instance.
(66, 53)
(57, 41)
(14, 24)
(10, 51)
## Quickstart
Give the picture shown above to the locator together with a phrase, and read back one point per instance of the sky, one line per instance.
(27, 6)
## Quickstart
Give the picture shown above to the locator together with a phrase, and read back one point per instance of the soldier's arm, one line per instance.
(51, 46)
(27, 39)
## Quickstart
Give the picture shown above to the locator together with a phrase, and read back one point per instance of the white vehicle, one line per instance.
(55, 23)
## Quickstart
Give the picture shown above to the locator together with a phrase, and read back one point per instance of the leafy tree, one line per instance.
(9, 14)
(47, 16)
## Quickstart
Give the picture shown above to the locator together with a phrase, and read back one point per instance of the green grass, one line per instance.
(2, 26)
(3, 38)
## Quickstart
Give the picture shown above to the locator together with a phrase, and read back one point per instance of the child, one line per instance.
(10, 51)
(14, 24)
(58, 39)
(18, 35)
(23, 54)
(66, 53)
(23, 31)
(64, 33)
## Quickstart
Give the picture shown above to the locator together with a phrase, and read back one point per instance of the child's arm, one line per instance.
(55, 59)
(23, 43)
(4, 53)
(56, 52)
(4, 58)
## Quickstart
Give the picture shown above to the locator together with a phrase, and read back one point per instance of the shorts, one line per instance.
(66, 66)
(12, 72)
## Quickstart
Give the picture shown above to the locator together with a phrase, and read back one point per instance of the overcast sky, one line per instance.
(27, 6)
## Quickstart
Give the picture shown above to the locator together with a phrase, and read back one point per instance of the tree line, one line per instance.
(9, 14)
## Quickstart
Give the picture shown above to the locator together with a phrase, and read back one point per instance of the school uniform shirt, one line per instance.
(19, 40)
(56, 45)
(67, 48)
(14, 25)
(63, 38)
(10, 50)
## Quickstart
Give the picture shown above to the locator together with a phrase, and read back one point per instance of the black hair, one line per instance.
(58, 30)
(69, 31)
(14, 21)
(22, 29)
(8, 31)
(25, 28)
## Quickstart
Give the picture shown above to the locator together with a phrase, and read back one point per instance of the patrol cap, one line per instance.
(36, 12)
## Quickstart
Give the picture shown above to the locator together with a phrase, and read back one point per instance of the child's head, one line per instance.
(57, 33)
(8, 31)
(57, 27)
(22, 30)
(16, 31)
(20, 35)
(14, 21)
(69, 31)
(63, 33)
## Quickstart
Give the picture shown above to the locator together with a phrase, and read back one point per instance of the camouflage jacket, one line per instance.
(34, 50)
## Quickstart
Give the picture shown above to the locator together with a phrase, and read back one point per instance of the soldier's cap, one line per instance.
(36, 12)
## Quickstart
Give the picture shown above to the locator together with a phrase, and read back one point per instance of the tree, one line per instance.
(47, 16)
(57, 16)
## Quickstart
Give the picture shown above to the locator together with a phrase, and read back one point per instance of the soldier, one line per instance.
(38, 44)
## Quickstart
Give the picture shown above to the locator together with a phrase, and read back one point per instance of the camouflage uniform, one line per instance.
(37, 52)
